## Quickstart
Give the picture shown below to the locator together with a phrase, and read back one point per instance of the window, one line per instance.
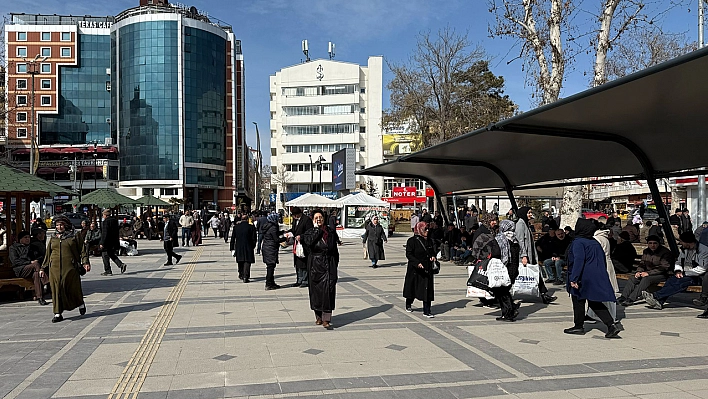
(46, 36)
(21, 100)
(272, 115)
(108, 85)
(46, 68)
(362, 129)
(168, 191)
(21, 133)
(66, 36)
(148, 191)
(21, 84)
(21, 117)
(362, 148)
(21, 36)
(46, 52)
(273, 152)
(21, 68)
(22, 52)
(362, 110)
(363, 90)
(46, 101)
(66, 52)
(46, 84)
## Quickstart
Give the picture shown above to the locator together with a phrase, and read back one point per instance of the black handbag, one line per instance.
(478, 278)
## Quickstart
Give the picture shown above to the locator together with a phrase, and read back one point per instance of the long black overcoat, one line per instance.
(272, 237)
(374, 238)
(419, 282)
(322, 263)
(243, 241)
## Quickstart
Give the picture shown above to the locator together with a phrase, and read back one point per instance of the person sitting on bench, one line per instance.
(689, 270)
(653, 269)
(23, 267)
(623, 254)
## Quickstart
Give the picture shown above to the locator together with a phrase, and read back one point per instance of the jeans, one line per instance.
(302, 276)
(426, 305)
(548, 265)
(598, 307)
(446, 250)
(675, 285)
(108, 255)
(185, 236)
(635, 286)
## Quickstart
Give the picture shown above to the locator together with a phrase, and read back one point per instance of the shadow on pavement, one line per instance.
(123, 309)
(350, 317)
(448, 306)
(112, 284)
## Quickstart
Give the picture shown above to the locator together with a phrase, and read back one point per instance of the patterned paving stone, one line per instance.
(313, 351)
(224, 358)
(396, 347)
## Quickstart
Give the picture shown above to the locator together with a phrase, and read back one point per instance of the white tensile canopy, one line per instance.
(310, 200)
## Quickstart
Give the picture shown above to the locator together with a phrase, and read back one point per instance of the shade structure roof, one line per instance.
(647, 125)
(17, 181)
(106, 198)
(310, 200)
(149, 200)
(361, 199)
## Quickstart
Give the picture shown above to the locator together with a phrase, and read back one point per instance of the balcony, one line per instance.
(622, 189)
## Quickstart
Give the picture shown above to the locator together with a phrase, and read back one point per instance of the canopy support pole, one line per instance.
(639, 154)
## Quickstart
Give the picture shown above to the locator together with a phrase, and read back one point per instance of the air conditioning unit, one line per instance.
(108, 141)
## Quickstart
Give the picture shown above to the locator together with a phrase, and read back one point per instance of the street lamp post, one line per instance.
(259, 166)
(319, 163)
(32, 70)
(95, 156)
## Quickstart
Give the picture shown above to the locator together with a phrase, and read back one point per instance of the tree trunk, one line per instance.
(571, 208)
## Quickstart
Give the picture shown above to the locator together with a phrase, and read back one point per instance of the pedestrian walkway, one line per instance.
(193, 330)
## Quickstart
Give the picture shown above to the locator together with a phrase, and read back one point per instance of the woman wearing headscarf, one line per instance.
(374, 238)
(505, 247)
(527, 248)
(601, 235)
(322, 260)
(418, 283)
(588, 280)
(196, 230)
(65, 256)
(272, 237)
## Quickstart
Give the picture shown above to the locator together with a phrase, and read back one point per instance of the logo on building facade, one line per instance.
(95, 24)
(320, 72)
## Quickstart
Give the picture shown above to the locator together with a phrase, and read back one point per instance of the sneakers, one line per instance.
(613, 332)
(548, 298)
(123, 266)
(651, 301)
(409, 310)
(57, 318)
(272, 287)
(41, 301)
(429, 315)
(703, 315)
(178, 259)
(574, 331)
(107, 274)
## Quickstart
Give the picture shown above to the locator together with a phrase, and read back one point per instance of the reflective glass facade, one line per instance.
(84, 102)
(145, 71)
(204, 98)
(204, 177)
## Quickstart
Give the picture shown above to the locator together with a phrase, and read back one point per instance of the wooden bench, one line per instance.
(8, 278)
(693, 288)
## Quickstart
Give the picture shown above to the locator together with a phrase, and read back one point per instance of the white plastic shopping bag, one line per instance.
(527, 281)
(497, 274)
(474, 292)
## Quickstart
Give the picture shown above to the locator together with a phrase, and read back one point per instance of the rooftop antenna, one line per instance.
(305, 50)
(330, 50)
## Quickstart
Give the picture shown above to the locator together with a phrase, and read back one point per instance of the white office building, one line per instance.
(316, 109)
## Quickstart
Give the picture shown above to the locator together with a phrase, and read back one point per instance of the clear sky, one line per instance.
(271, 32)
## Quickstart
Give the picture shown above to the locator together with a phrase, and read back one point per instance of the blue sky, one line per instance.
(271, 32)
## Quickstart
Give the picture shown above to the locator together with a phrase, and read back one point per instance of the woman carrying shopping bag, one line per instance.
(505, 247)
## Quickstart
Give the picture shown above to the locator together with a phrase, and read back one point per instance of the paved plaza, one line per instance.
(193, 330)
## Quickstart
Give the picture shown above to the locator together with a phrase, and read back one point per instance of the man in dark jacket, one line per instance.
(332, 221)
(227, 226)
(170, 240)
(554, 265)
(655, 266)
(438, 219)
(624, 254)
(110, 243)
(301, 223)
(243, 242)
(23, 266)
(451, 238)
(272, 237)
(260, 225)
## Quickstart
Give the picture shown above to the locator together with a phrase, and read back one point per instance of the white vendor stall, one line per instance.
(357, 209)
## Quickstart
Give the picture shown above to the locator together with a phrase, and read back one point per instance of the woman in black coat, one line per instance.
(322, 260)
(374, 238)
(243, 242)
(272, 237)
(505, 247)
(419, 275)
(301, 224)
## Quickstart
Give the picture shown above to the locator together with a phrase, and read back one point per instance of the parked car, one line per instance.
(74, 218)
(590, 214)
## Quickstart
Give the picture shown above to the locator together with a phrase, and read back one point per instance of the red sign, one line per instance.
(399, 192)
(429, 192)
(405, 200)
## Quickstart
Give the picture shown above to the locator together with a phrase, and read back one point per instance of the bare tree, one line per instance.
(446, 88)
(281, 179)
(545, 29)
